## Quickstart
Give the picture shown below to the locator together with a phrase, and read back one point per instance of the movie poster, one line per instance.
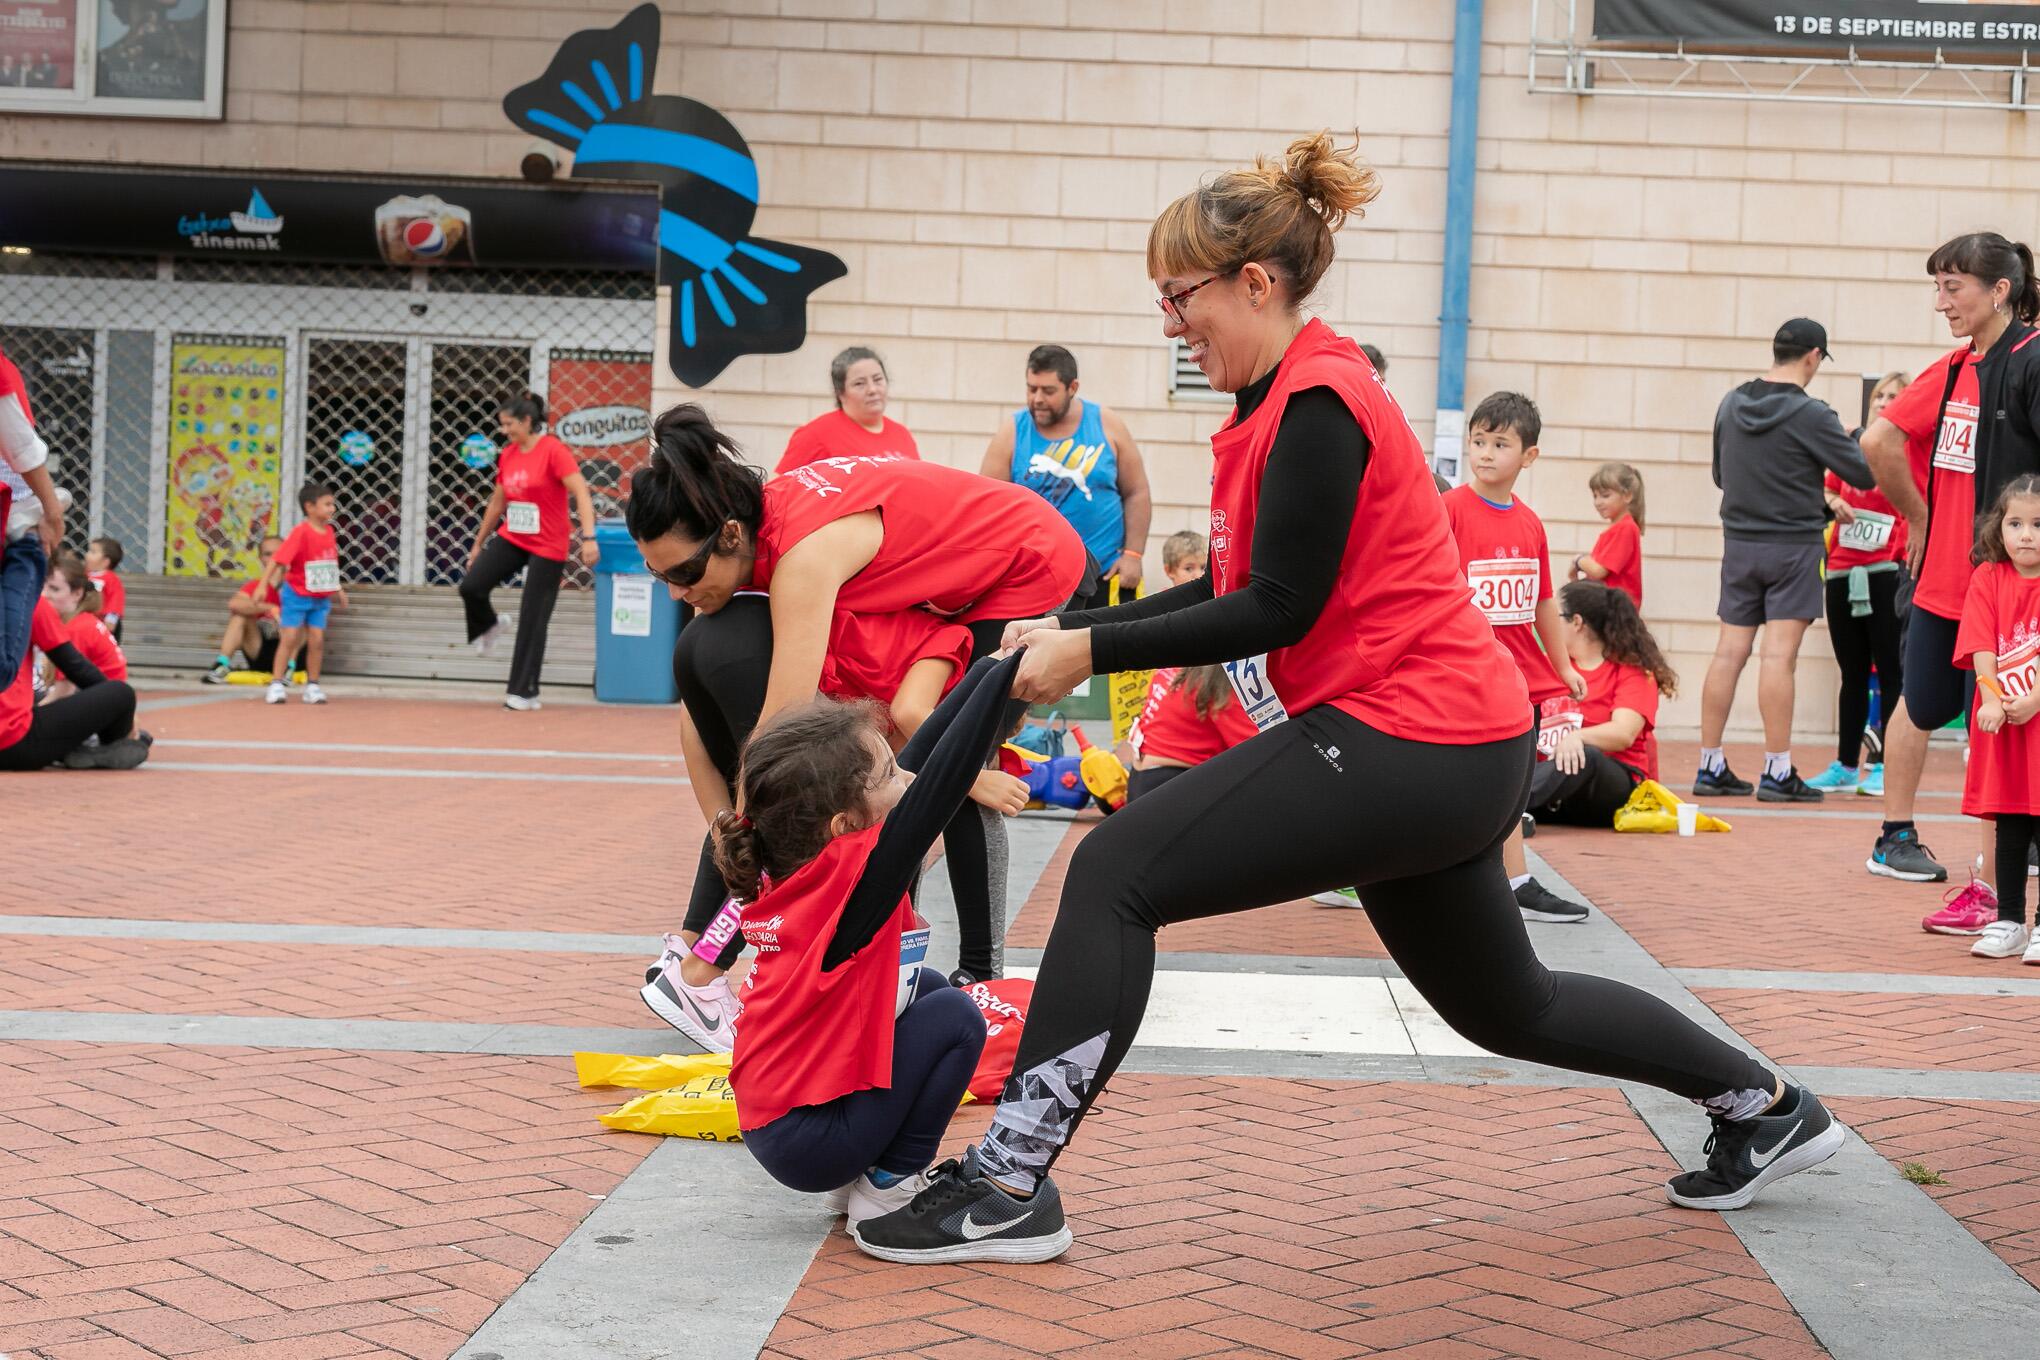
(152, 49)
(38, 44)
(225, 458)
(600, 406)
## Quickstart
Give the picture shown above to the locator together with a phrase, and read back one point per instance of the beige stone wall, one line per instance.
(988, 171)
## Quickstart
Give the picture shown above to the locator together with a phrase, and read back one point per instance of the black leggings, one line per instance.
(1589, 797)
(721, 666)
(1858, 641)
(1937, 691)
(1141, 783)
(1320, 802)
(499, 561)
(2016, 832)
(106, 711)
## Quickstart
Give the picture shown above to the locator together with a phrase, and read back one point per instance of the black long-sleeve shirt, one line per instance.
(72, 665)
(1305, 514)
(945, 755)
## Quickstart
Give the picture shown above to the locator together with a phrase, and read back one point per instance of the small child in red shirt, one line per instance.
(1999, 638)
(102, 559)
(308, 564)
(1617, 557)
(70, 589)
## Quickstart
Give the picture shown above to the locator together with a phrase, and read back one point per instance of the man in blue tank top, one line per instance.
(1078, 456)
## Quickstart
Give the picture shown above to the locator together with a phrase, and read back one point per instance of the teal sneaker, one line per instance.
(1836, 778)
(1871, 782)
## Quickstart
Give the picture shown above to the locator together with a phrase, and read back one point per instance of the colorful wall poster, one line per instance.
(600, 405)
(38, 44)
(225, 457)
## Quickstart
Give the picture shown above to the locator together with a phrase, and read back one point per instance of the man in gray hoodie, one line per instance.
(1772, 445)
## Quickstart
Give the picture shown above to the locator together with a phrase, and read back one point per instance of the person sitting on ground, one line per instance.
(1597, 762)
(34, 736)
(252, 631)
(70, 591)
(851, 1057)
(102, 559)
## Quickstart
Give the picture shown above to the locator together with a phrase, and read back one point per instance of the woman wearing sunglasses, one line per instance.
(1394, 746)
(863, 535)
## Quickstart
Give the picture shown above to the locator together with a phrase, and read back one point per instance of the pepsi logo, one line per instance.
(424, 237)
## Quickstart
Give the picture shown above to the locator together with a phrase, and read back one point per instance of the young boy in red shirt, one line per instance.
(102, 560)
(308, 563)
(1507, 560)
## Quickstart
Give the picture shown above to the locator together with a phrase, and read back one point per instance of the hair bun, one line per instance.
(1332, 181)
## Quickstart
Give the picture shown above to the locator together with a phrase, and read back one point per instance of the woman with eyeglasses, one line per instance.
(862, 535)
(1393, 752)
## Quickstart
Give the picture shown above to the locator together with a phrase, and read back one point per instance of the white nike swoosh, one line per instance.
(972, 1230)
(1765, 1159)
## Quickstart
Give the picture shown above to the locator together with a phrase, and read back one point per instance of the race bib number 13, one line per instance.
(1256, 693)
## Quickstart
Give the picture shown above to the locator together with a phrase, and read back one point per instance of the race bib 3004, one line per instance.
(1256, 692)
(1955, 449)
(1504, 589)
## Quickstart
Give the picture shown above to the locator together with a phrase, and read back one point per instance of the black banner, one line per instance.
(329, 220)
(1894, 26)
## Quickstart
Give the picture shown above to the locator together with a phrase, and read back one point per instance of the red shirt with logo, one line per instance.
(113, 592)
(809, 1035)
(307, 545)
(1612, 685)
(2001, 615)
(964, 546)
(88, 633)
(1620, 550)
(1507, 561)
(1170, 728)
(1878, 533)
(835, 435)
(46, 633)
(534, 483)
(1398, 645)
(1951, 524)
(870, 654)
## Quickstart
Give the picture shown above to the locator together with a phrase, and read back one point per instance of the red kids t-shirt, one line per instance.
(1508, 565)
(534, 483)
(1951, 525)
(2001, 615)
(88, 633)
(1612, 685)
(835, 435)
(17, 701)
(1620, 550)
(313, 556)
(112, 592)
(1877, 534)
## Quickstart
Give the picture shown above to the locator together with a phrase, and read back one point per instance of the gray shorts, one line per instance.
(1762, 582)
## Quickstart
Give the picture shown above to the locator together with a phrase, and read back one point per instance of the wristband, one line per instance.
(1128, 552)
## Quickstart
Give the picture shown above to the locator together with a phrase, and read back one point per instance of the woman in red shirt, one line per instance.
(34, 736)
(858, 427)
(1596, 759)
(71, 591)
(535, 473)
(1394, 749)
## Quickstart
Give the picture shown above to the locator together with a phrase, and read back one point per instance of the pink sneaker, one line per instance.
(1968, 911)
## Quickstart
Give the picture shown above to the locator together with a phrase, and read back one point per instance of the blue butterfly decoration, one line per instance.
(733, 293)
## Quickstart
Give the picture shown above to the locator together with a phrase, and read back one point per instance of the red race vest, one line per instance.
(966, 546)
(1004, 1005)
(1399, 644)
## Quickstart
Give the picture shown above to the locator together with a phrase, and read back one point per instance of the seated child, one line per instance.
(102, 559)
(252, 614)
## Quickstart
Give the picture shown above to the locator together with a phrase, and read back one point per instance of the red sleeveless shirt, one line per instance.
(963, 545)
(808, 1036)
(1399, 644)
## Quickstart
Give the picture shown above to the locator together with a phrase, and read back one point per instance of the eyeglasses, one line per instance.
(1172, 303)
(689, 572)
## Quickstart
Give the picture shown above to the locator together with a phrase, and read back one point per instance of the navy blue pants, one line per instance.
(936, 1043)
(22, 568)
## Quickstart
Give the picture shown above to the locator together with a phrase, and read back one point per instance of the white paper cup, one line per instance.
(1689, 818)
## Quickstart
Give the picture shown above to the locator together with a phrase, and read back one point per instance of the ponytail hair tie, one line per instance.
(730, 820)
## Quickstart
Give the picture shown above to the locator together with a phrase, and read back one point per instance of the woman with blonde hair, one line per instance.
(1393, 748)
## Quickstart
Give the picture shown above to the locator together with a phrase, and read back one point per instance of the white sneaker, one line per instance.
(487, 643)
(837, 1201)
(869, 1201)
(2032, 954)
(313, 694)
(278, 692)
(521, 704)
(1337, 897)
(707, 1015)
(2002, 940)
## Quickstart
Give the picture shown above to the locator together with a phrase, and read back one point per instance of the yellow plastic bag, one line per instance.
(696, 1101)
(1653, 807)
(1128, 690)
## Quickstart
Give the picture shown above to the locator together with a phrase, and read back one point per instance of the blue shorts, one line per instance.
(304, 611)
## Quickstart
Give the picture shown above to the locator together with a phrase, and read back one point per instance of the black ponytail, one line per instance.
(1624, 635)
(1988, 256)
(695, 482)
(525, 406)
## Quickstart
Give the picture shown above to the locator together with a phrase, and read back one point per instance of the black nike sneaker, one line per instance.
(1539, 903)
(1790, 789)
(1745, 1155)
(1721, 783)
(962, 1216)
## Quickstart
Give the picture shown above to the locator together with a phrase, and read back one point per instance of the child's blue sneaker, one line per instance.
(1871, 784)
(1836, 777)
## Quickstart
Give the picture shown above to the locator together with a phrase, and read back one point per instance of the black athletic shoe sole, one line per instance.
(1010, 1250)
(1771, 795)
(1708, 788)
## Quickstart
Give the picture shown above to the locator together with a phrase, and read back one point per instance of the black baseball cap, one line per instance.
(1800, 333)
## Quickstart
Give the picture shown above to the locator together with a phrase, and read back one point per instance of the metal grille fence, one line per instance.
(185, 401)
